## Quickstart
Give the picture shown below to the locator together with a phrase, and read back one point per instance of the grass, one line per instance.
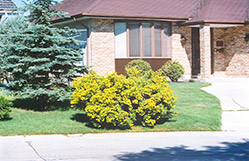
(198, 111)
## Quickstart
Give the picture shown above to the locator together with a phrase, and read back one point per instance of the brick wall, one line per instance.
(182, 52)
(102, 46)
(234, 60)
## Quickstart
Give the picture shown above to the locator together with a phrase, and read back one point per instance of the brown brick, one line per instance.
(181, 52)
(234, 60)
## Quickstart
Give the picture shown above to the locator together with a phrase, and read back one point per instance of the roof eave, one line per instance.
(134, 17)
(122, 17)
(66, 18)
(201, 22)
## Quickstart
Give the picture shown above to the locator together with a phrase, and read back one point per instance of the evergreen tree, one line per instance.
(41, 11)
(41, 60)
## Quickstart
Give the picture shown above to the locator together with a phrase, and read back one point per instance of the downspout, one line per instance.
(87, 42)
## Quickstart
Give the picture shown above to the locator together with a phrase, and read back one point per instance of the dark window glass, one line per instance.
(158, 39)
(147, 39)
(134, 40)
(167, 34)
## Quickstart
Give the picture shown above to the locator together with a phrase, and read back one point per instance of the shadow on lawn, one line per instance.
(80, 117)
(228, 151)
(83, 118)
(39, 105)
(6, 119)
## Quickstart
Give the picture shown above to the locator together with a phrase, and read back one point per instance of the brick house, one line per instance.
(208, 37)
(7, 9)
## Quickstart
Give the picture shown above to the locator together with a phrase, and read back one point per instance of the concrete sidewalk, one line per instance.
(232, 92)
(169, 146)
(234, 98)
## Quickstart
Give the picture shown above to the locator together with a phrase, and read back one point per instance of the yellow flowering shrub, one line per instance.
(119, 102)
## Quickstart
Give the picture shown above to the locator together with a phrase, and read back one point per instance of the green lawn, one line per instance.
(198, 111)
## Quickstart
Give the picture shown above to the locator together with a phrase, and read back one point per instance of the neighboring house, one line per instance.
(7, 9)
(208, 37)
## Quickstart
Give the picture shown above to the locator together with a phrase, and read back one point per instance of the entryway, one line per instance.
(196, 59)
(195, 52)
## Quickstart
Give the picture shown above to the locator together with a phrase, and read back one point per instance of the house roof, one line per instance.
(191, 10)
(129, 8)
(7, 5)
(222, 11)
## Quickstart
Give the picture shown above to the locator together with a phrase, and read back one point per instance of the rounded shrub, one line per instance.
(142, 66)
(5, 107)
(114, 101)
(191, 80)
(174, 70)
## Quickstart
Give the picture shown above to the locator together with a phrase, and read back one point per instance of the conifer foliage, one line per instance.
(41, 60)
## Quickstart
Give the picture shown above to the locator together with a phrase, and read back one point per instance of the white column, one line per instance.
(205, 51)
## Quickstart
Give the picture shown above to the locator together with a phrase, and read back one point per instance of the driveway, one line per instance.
(164, 146)
(234, 98)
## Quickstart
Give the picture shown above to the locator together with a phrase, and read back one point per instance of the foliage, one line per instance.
(5, 107)
(173, 70)
(198, 111)
(142, 66)
(42, 11)
(40, 105)
(41, 60)
(116, 101)
(191, 80)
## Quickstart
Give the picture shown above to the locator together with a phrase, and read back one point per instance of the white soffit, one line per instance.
(224, 25)
(219, 25)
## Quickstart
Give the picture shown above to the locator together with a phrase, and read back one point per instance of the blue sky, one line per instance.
(19, 2)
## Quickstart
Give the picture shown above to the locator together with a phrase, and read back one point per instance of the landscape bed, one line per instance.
(197, 111)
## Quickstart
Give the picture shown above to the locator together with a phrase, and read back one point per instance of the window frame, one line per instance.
(163, 24)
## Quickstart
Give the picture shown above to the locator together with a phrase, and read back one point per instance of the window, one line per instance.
(148, 39)
(158, 40)
(134, 40)
(167, 33)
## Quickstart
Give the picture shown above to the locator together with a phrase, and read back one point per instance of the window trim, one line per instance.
(153, 39)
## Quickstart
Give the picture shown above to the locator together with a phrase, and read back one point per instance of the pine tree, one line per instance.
(41, 60)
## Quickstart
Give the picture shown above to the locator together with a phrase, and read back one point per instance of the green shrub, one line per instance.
(5, 107)
(191, 80)
(173, 70)
(142, 66)
(115, 101)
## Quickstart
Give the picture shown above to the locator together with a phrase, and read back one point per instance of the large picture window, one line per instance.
(148, 39)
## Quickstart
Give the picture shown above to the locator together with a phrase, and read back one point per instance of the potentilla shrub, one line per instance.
(119, 102)
(5, 107)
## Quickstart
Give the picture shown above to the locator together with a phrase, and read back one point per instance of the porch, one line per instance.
(220, 50)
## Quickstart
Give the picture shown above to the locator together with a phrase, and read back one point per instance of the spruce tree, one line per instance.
(41, 60)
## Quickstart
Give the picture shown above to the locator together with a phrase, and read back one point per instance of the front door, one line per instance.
(195, 51)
